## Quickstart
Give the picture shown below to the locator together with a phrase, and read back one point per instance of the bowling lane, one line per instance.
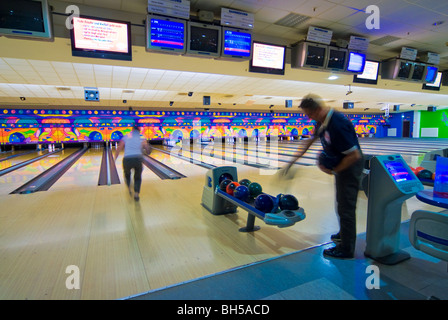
(16, 160)
(186, 168)
(15, 154)
(11, 181)
(203, 156)
(83, 173)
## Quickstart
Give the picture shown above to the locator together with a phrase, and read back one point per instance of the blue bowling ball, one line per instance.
(328, 161)
(242, 193)
(264, 203)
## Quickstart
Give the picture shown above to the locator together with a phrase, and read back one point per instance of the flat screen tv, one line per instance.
(418, 71)
(431, 73)
(203, 40)
(165, 34)
(236, 44)
(356, 62)
(309, 55)
(26, 19)
(434, 86)
(337, 59)
(267, 58)
(101, 38)
(370, 73)
(404, 69)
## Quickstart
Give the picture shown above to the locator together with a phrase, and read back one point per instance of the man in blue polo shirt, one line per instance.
(341, 157)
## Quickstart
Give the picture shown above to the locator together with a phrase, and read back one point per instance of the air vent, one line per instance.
(128, 91)
(384, 40)
(292, 20)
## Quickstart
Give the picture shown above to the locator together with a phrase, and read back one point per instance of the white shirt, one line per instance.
(133, 145)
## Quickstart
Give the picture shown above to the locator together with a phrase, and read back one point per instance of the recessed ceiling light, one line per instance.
(333, 77)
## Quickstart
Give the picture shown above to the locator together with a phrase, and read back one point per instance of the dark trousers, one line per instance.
(347, 188)
(135, 163)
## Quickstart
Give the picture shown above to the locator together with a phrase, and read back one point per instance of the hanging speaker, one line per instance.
(348, 105)
(91, 94)
(397, 107)
(206, 100)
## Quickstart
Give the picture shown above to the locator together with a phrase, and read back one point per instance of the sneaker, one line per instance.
(336, 237)
(136, 198)
(337, 253)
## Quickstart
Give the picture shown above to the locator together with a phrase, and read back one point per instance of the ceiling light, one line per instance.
(333, 77)
(22, 98)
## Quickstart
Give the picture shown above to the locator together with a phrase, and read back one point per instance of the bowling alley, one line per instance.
(223, 150)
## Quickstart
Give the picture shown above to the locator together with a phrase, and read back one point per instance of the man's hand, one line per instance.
(324, 169)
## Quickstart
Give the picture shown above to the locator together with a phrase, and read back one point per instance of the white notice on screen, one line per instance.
(267, 56)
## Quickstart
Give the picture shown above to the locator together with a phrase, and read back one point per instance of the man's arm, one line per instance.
(306, 145)
(346, 162)
(146, 147)
(119, 148)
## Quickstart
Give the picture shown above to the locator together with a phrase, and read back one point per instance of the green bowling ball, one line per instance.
(245, 182)
(255, 189)
(424, 174)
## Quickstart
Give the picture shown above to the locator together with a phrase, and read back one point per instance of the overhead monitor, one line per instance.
(101, 38)
(418, 71)
(26, 19)
(404, 69)
(431, 73)
(398, 69)
(434, 86)
(356, 62)
(370, 73)
(166, 35)
(337, 59)
(309, 55)
(203, 40)
(236, 44)
(267, 58)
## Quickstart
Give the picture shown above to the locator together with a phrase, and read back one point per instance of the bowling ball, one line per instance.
(288, 202)
(255, 189)
(424, 174)
(231, 187)
(327, 160)
(264, 203)
(224, 183)
(224, 176)
(241, 192)
(245, 182)
(418, 169)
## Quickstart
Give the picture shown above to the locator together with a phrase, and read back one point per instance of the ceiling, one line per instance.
(420, 24)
